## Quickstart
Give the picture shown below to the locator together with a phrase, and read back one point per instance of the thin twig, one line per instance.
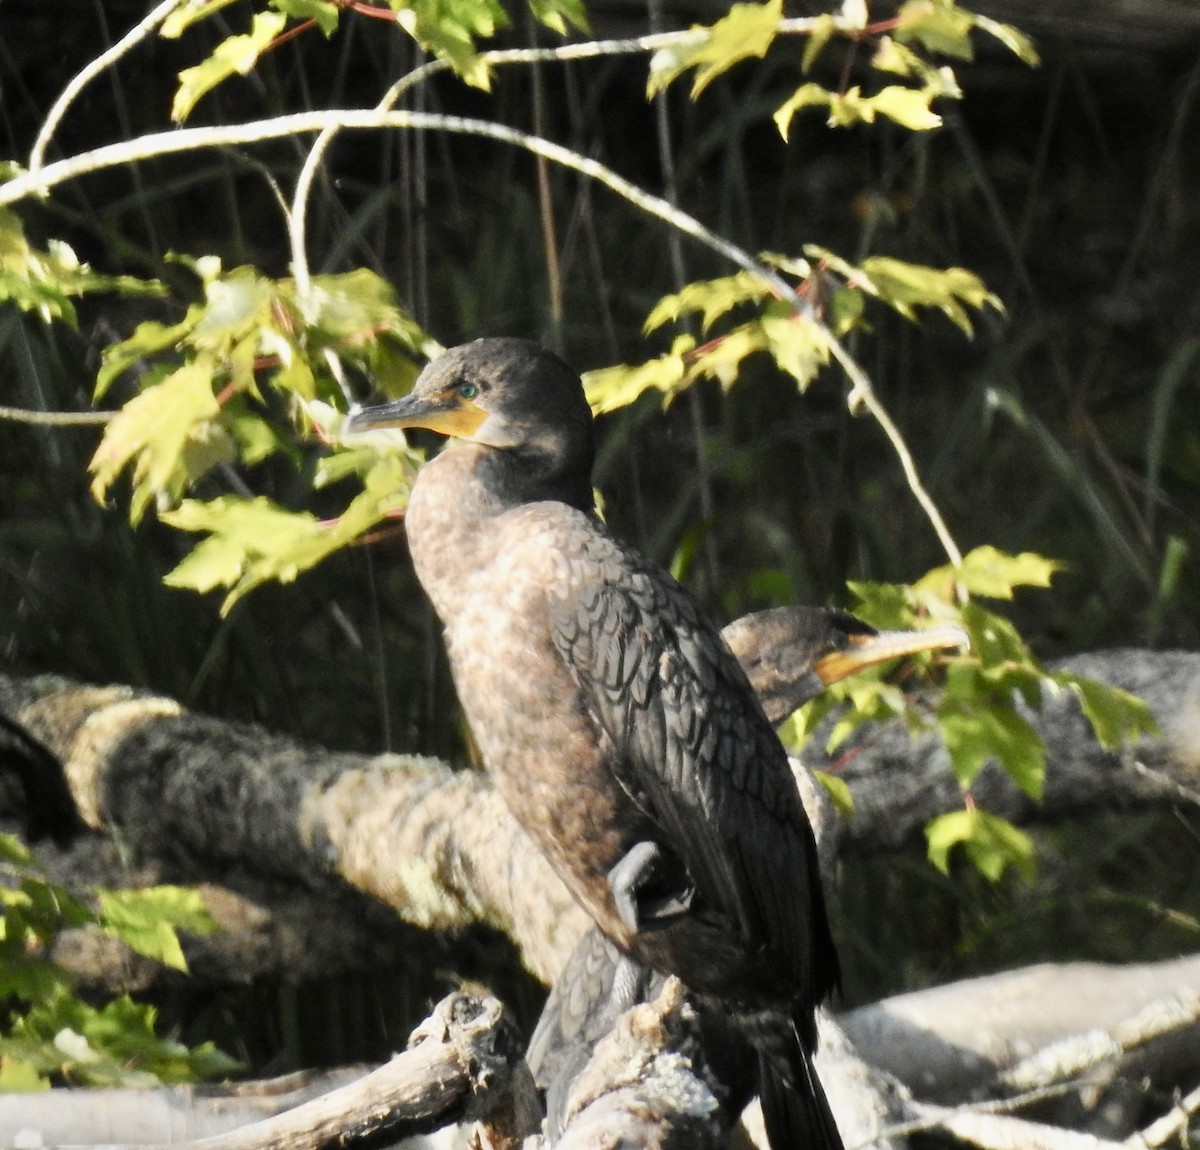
(1173, 1125)
(134, 36)
(191, 139)
(328, 122)
(862, 392)
(56, 418)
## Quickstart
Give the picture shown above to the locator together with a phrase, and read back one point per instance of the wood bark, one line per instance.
(269, 824)
(291, 838)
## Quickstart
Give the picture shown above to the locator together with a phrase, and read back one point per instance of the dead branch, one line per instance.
(458, 1066)
(300, 837)
(949, 1043)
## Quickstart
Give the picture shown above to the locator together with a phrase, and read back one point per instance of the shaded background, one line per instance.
(1070, 425)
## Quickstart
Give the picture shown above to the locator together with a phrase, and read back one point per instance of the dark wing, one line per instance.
(692, 745)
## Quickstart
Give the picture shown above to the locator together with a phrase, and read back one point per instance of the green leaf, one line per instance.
(558, 14)
(992, 844)
(824, 26)
(149, 339)
(610, 388)
(251, 541)
(235, 55)
(351, 308)
(113, 1045)
(992, 573)
(1116, 716)
(151, 432)
(449, 30)
(1012, 38)
(44, 281)
(324, 13)
(13, 850)
(188, 14)
(712, 298)
(148, 920)
(721, 358)
(906, 286)
(237, 305)
(18, 1077)
(838, 792)
(939, 25)
(982, 726)
(872, 700)
(745, 32)
(908, 107)
(799, 345)
(808, 95)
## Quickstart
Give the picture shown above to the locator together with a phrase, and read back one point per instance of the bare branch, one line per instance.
(56, 418)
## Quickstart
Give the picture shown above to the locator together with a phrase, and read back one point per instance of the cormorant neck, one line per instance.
(529, 474)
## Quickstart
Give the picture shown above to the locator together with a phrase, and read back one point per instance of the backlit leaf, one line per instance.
(806, 96)
(938, 25)
(252, 541)
(20, 1077)
(906, 286)
(712, 298)
(991, 843)
(558, 14)
(721, 358)
(235, 55)
(994, 574)
(908, 107)
(745, 32)
(837, 791)
(147, 919)
(1116, 716)
(449, 29)
(799, 345)
(1012, 38)
(192, 12)
(610, 388)
(823, 29)
(324, 13)
(149, 339)
(151, 432)
(44, 280)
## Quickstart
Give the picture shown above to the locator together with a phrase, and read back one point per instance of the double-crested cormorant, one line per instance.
(617, 724)
(790, 655)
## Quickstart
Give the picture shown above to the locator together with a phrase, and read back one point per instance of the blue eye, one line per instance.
(468, 390)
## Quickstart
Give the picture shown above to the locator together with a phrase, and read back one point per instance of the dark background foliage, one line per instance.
(1069, 426)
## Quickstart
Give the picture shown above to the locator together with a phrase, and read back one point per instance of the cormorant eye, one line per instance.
(468, 390)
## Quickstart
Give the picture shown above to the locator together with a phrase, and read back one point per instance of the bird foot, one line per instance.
(642, 889)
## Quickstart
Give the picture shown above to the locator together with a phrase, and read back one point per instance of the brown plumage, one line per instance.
(617, 724)
(790, 655)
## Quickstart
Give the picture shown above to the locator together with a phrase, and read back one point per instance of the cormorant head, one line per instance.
(514, 397)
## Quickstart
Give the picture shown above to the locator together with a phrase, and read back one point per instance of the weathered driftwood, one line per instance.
(459, 1066)
(167, 1114)
(191, 798)
(298, 836)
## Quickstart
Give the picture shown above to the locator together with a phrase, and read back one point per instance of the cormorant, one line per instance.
(790, 655)
(616, 723)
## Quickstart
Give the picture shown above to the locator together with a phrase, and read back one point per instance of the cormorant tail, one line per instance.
(797, 1116)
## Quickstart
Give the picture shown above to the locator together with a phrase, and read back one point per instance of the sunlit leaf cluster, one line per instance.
(46, 280)
(988, 694)
(903, 47)
(447, 29)
(745, 313)
(245, 374)
(48, 1034)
